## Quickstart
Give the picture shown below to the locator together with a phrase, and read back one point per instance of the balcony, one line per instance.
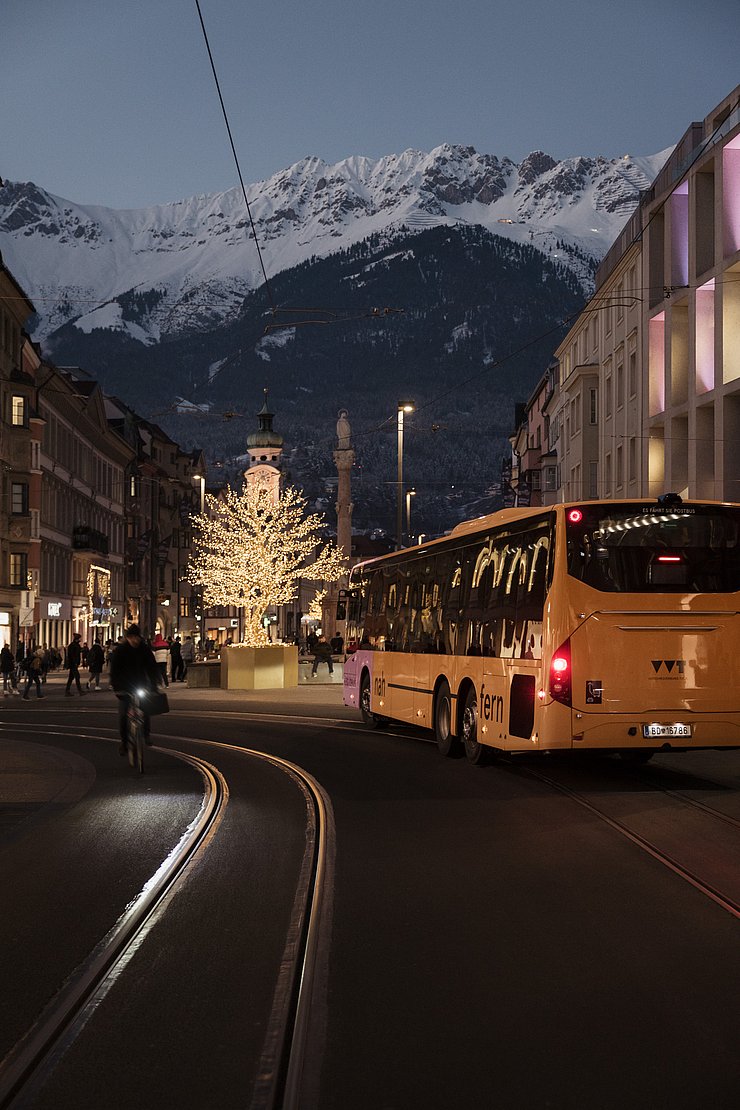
(88, 539)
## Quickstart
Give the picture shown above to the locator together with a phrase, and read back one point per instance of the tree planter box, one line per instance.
(260, 668)
(204, 674)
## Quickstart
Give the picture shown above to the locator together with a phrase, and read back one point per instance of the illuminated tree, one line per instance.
(251, 550)
(315, 609)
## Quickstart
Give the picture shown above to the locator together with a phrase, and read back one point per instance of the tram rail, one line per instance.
(284, 1076)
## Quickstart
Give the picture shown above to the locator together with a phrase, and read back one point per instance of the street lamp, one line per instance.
(202, 487)
(402, 408)
(201, 630)
(409, 494)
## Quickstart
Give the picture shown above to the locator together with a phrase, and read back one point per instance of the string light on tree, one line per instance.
(252, 548)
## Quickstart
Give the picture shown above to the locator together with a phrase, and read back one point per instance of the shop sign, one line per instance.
(98, 593)
(57, 610)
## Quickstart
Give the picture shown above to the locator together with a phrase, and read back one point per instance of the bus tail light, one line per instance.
(560, 674)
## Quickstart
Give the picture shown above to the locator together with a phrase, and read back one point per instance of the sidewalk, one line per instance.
(315, 699)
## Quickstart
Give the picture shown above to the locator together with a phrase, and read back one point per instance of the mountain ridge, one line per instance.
(199, 257)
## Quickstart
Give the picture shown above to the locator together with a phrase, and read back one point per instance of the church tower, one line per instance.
(265, 447)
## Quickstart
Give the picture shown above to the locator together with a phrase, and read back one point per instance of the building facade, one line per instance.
(647, 394)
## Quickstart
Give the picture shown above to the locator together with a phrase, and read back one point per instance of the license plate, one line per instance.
(661, 732)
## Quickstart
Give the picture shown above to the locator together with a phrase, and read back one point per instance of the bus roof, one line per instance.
(508, 516)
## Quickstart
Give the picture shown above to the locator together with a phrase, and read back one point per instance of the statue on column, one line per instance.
(344, 432)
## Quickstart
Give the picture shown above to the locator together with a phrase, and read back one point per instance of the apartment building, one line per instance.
(82, 462)
(19, 485)
(647, 397)
(691, 313)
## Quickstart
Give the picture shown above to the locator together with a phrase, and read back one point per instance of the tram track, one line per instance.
(34, 1056)
(730, 904)
(287, 1076)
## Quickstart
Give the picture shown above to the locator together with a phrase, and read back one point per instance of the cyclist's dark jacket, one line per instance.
(133, 667)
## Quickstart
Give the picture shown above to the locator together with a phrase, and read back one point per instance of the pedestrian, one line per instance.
(178, 667)
(33, 664)
(161, 650)
(133, 667)
(337, 644)
(188, 655)
(7, 669)
(95, 663)
(322, 654)
(311, 641)
(74, 658)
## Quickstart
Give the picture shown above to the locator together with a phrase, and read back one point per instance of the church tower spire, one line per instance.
(265, 448)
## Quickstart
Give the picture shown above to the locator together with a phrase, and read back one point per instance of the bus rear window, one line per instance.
(655, 549)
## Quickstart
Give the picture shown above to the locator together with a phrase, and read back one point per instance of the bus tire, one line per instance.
(368, 717)
(474, 752)
(447, 743)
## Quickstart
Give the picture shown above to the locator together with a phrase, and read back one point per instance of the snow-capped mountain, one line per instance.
(174, 269)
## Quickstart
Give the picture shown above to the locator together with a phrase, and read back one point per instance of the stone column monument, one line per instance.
(344, 458)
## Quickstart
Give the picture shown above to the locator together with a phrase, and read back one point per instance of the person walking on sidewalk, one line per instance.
(161, 650)
(7, 669)
(34, 663)
(188, 655)
(74, 658)
(178, 666)
(322, 654)
(95, 662)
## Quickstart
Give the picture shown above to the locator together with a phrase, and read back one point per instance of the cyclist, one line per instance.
(132, 668)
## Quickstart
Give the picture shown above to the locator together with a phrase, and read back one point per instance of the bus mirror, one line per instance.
(345, 596)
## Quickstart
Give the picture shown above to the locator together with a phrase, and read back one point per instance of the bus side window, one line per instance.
(532, 591)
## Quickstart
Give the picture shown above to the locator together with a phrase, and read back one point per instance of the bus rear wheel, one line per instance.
(447, 743)
(474, 752)
(368, 717)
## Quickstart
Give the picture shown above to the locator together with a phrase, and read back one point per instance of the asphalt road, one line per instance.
(494, 941)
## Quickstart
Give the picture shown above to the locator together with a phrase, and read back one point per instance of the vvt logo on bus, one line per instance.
(669, 664)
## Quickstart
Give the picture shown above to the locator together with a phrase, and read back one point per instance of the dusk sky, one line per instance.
(114, 103)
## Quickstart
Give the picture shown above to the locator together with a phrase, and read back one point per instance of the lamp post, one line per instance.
(402, 408)
(409, 494)
(200, 479)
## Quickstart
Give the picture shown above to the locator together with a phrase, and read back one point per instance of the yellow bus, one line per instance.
(609, 625)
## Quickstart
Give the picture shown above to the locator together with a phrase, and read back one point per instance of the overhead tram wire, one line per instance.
(236, 158)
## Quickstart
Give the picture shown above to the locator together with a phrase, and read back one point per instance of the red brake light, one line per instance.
(575, 516)
(560, 674)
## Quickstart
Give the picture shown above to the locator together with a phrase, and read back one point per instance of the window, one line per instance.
(607, 475)
(593, 403)
(633, 373)
(185, 607)
(633, 458)
(19, 411)
(593, 479)
(608, 397)
(19, 498)
(19, 570)
(618, 474)
(618, 549)
(620, 385)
